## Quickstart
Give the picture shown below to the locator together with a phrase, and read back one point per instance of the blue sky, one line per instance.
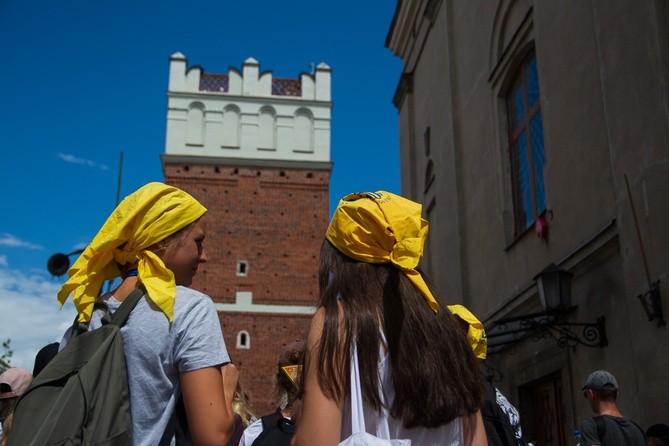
(82, 81)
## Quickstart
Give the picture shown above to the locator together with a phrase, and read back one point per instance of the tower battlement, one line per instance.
(248, 114)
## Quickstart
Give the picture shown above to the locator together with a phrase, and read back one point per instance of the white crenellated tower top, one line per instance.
(248, 115)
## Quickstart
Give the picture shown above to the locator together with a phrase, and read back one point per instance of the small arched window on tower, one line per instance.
(195, 129)
(304, 131)
(243, 340)
(231, 138)
(267, 129)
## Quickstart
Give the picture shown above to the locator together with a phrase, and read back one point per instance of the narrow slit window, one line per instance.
(243, 268)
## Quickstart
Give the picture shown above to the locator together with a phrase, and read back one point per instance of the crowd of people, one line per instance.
(386, 357)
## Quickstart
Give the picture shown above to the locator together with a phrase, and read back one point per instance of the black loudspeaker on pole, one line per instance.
(59, 263)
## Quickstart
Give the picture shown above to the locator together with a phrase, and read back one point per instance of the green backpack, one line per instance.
(81, 397)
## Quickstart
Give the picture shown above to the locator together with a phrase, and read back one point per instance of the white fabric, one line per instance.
(510, 412)
(251, 433)
(359, 436)
(447, 434)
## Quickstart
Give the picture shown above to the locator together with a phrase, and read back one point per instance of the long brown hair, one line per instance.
(434, 372)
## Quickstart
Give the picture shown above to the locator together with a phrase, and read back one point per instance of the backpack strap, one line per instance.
(119, 317)
(121, 314)
(601, 427)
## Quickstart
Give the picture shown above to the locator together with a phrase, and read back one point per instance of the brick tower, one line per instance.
(255, 150)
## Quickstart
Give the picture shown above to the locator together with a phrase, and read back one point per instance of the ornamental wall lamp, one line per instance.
(554, 285)
(554, 289)
(652, 304)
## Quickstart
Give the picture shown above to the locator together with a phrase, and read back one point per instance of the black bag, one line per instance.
(81, 397)
(498, 428)
(276, 431)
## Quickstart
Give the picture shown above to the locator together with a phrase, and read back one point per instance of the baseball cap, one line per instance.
(13, 382)
(601, 380)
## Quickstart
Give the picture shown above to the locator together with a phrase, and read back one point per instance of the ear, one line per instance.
(158, 247)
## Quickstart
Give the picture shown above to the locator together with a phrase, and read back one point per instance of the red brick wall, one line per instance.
(274, 219)
(269, 334)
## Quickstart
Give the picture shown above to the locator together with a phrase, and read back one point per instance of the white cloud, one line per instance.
(75, 160)
(30, 314)
(3, 261)
(14, 242)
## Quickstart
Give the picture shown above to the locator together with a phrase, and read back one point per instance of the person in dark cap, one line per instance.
(609, 426)
(658, 435)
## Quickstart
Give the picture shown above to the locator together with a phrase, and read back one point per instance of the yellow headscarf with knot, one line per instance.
(475, 331)
(380, 227)
(142, 219)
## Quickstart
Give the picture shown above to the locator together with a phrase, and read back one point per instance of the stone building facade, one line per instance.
(537, 133)
(255, 150)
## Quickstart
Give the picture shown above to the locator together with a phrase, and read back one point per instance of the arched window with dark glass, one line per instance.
(243, 340)
(526, 145)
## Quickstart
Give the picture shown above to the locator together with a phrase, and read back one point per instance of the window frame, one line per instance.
(512, 38)
(521, 222)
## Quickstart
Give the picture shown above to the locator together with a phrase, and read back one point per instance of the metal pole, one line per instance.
(120, 172)
(118, 198)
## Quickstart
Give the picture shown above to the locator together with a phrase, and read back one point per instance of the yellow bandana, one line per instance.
(382, 227)
(142, 219)
(475, 333)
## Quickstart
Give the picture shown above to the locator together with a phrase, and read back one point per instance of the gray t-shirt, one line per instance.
(157, 351)
(617, 431)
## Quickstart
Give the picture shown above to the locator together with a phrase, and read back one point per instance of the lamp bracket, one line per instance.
(538, 326)
(566, 334)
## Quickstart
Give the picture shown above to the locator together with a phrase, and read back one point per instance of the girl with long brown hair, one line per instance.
(417, 371)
